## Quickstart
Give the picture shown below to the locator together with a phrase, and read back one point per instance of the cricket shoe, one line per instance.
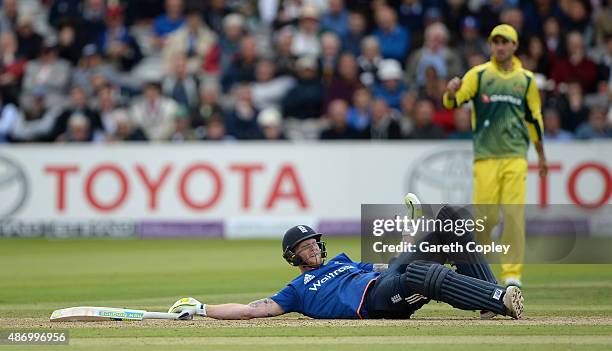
(513, 300)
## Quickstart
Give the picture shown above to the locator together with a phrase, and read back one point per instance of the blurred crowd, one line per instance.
(178, 70)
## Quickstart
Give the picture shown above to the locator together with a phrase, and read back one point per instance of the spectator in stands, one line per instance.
(595, 127)
(575, 15)
(357, 29)
(337, 118)
(435, 52)
(359, 115)
(391, 86)
(70, 42)
(330, 52)
(270, 123)
(125, 129)
(284, 59)
(182, 127)
(116, 42)
(575, 65)
(463, 124)
(154, 113)
(9, 14)
(305, 99)
(336, 19)
(215, 12)
(411, 15)
(197, 42)
(552, 127)
(166, 23)
(383, 125)
(181, 85)
(514, 17)
(345, 81)
(48, 71)
(12, 66)
(37, 118)
(77, 106)
(572, 107)
(9, 114)
(92, 18)
(78, 130)
(269, 89)
(215, 131)
(209, 106)
(306, 39)
(423, 122)
(29, 43)
(407, 113)
(229, 39)
(369, 61)
(92, 64)
(535, 58)
(242, 68)
(394, 40)
(107, 103)
(471, 43)
(241, 118)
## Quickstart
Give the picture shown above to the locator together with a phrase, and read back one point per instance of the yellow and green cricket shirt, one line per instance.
(506, 109)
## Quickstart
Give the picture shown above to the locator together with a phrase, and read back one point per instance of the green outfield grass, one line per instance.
(567, 306)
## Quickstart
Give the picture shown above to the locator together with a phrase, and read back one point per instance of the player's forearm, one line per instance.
(539, 146)
(229, 311)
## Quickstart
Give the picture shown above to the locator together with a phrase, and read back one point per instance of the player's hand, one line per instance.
(543, 167)
(453, 85)
(188, 304)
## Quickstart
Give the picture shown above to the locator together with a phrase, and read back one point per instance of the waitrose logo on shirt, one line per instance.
(316, 285)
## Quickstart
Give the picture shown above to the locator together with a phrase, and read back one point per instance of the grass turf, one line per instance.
(567, 306)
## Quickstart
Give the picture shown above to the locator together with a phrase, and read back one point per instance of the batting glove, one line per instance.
(189, 304)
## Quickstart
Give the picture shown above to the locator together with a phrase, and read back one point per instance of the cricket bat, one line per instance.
(87, 313)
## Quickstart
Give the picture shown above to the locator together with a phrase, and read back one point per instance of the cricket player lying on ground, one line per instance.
(346, 289)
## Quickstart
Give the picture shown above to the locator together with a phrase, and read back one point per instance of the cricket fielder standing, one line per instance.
(506, 113)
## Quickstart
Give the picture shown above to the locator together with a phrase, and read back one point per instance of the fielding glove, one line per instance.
(189, 304)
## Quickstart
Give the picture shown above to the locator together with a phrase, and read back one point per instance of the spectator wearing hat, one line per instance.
(338, 129)
(29, 43)
(117, 44)
(357, 29)
(154, 113)
(48, 71)
(305, 99)
(269, 89)
(434, 53)
(270, 123)
(196, 42)
(471, 43)
(369, 60)
(306, 39)
(394, 40)
(391, 88)
(383, 125)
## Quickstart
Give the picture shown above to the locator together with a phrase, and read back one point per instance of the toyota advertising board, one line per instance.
(252, 189)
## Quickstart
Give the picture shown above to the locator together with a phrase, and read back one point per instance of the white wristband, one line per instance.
(202, 310)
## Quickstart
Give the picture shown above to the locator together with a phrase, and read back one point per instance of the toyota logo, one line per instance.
(446, 176)
(13, 187)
